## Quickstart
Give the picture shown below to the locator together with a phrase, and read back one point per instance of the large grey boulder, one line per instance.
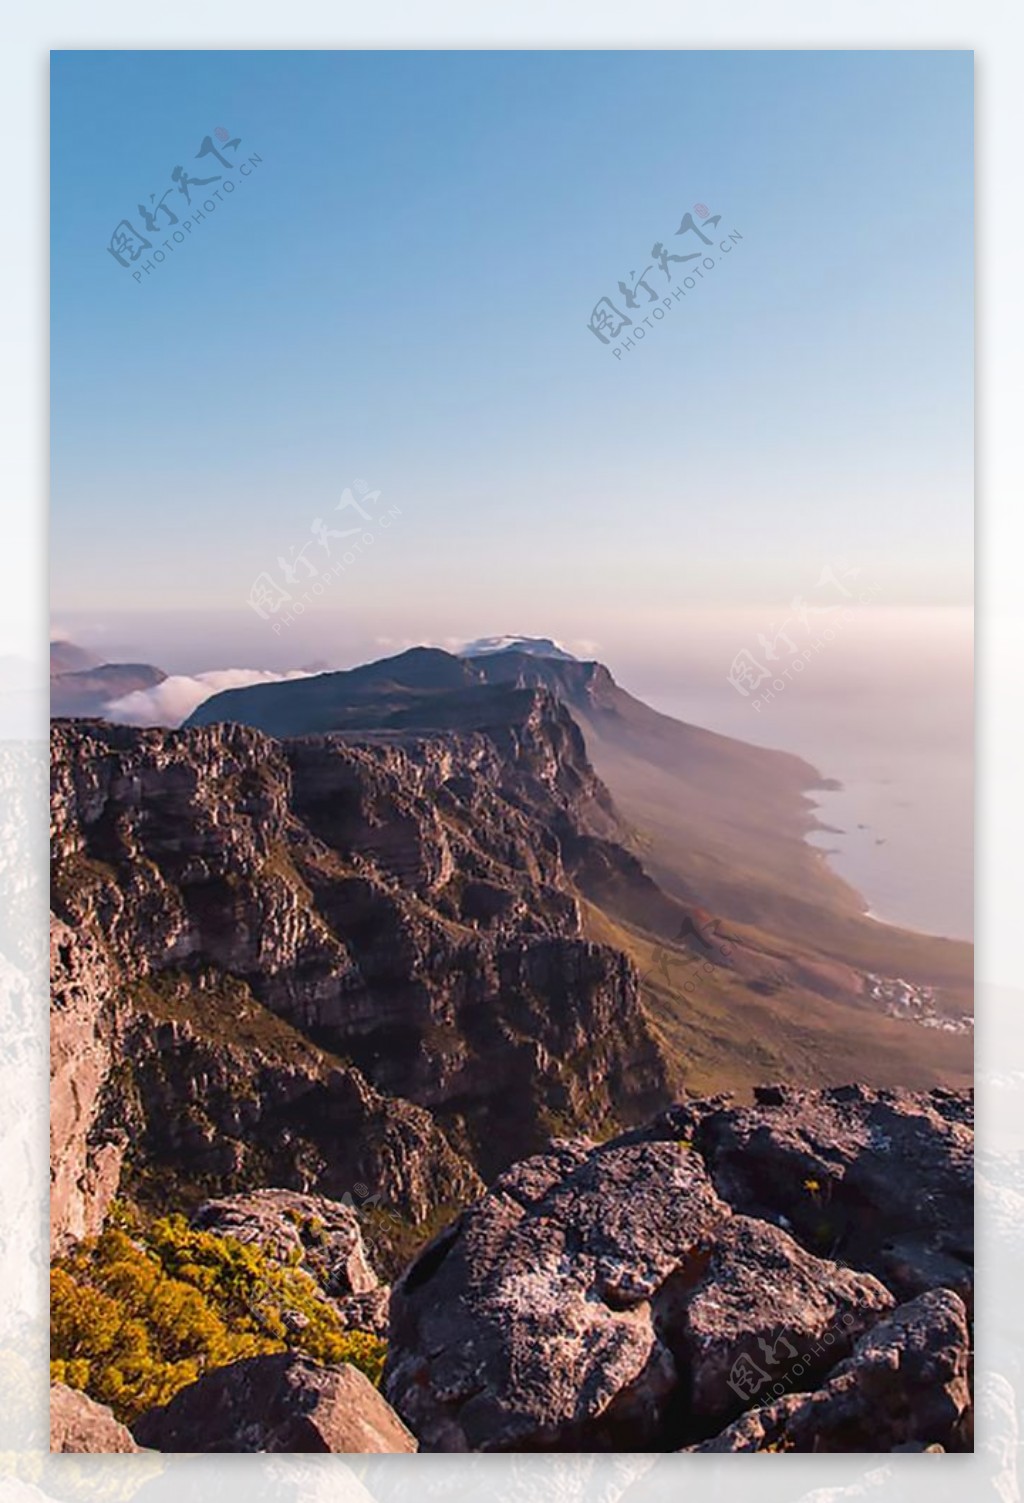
(605, 1298)
(277, 1403)
(880, 1179)
(904, 1387)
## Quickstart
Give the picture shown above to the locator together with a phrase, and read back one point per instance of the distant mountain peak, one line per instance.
(68, 657)
(536, 647)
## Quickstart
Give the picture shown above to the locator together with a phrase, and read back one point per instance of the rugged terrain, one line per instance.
(318, 980)
(322, 964)
(794, 1275)
(804, 1263)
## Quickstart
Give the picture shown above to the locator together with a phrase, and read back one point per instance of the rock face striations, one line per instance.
(330, 961)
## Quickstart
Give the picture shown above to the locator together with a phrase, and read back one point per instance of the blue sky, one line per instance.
(400, 292)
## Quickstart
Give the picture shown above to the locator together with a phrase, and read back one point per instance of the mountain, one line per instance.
(540, 647)
(66, 657)
(705, 843)
(367, 697)
(329, 961)
(342, 949)
(88, 691)
(724, 822)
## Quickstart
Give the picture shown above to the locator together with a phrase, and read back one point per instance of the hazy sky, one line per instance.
(399, 293)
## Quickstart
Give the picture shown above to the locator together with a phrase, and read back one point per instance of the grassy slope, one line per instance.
(721, 1034)
(721, 823)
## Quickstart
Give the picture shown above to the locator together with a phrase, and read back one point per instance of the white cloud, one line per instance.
(174, 700)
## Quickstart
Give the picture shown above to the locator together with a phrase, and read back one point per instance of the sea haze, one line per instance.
(886, 709)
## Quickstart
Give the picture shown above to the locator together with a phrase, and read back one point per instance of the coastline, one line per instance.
(887, 891)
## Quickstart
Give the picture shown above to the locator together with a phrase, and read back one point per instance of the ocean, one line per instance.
(885, 708)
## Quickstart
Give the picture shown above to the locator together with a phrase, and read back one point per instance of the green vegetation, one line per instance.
(224, 1009)
(719, 1033)
(136, 1314)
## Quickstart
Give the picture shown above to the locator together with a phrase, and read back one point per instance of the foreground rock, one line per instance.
(278, 1403)
(308, 1231)
(905, 1387)
(880, 1179)
(606, 1298)
(78, 1423)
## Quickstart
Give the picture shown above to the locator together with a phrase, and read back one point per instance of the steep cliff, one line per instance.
(330, 961)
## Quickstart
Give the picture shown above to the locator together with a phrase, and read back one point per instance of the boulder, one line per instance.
(882, 1180)
(277, 1403)
(308, 1231)
(605, 1298)
(904, 1387)
(78, 1423)
(366, 1312)
(765, 1313)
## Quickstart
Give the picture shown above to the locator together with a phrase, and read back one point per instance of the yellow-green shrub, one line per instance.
(137, 1314)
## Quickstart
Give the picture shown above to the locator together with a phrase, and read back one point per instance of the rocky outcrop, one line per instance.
(278, 1403)
(85, 1158)
(633, 1296)
(309, 1231)
(883, 1180)
(78, 1423)
(219, 1094)
(605, 1298)
(366, 1312)
(322, 1237)
(905, 1387)
(317, 963)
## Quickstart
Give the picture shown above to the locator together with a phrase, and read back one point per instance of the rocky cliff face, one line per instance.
(329, 961)
(85, 1155)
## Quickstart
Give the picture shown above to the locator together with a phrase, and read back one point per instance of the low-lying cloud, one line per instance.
(173, 700)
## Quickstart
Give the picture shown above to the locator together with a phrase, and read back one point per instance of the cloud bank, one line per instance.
(171, 702)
